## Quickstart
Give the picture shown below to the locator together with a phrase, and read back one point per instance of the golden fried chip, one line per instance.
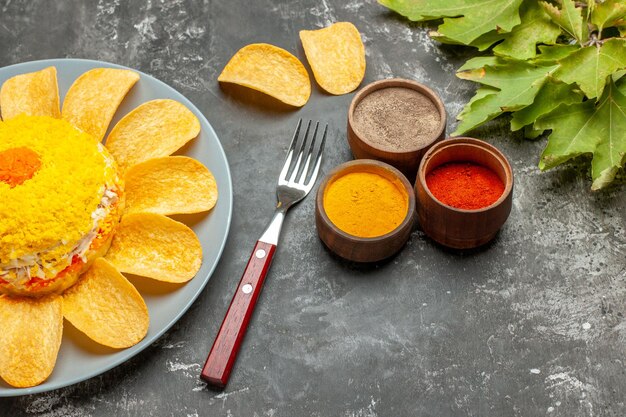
(94, 97)
(154, 246)
(34, 94)
(270, 70)
(154, 129)
(30, 337)
(170, 185)
(336, 55)
(106, 307)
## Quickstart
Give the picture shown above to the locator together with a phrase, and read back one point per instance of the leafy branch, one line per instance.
(555, 65)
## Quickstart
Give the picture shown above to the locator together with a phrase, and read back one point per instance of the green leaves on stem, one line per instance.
(608, 14)
(535, 27)
(569, 18)
(514, 86)
(590, 66)
(590, 127)
(556, 65)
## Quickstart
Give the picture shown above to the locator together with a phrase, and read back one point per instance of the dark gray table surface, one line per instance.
(531, 325)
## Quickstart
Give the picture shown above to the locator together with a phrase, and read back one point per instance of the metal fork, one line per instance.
(294, 183)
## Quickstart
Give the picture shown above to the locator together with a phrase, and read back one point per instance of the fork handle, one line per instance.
(222, 356)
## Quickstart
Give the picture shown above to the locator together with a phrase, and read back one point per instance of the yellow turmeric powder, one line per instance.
(365, 204)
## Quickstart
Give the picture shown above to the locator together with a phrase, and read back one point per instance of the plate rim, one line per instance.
(131, 352)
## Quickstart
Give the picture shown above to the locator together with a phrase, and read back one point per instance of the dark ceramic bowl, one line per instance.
(458, 228)
(406, 161)
(364, 249)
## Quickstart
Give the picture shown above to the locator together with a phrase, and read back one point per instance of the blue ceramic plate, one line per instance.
(80, 359)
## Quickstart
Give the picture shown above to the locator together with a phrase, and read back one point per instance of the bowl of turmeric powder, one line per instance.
(365, 210)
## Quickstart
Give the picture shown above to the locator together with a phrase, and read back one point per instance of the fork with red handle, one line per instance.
(296, 179)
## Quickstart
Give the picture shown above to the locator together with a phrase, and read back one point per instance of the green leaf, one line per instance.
(506, 74)
(478, 111)
(418, 10)
(487, 16)
(536, 27)
(551, 95)
(481, 62)
(481, 92)
(589, 66)
(531, 133)
(517, 82)
(621, 85)
(482, 42)
(554, 53)
(617, 75)
(608, 13)
(465, 20)
(569, 17)
(588, 127)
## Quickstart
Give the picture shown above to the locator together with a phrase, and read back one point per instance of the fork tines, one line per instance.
(305, 148)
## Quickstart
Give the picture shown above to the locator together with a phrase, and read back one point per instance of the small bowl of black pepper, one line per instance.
(395, 121)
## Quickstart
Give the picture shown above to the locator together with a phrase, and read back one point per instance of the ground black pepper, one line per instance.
(397, 118)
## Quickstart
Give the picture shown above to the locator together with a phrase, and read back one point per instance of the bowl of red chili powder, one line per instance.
(464, 192)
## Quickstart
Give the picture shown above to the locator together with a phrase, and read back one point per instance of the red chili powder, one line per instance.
(465, 185)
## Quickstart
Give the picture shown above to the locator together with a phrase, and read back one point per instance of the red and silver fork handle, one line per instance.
(223, 354)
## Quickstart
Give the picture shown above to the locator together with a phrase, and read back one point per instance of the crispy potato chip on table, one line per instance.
(154, 129)
(270, 70)
(30, 337)
(336, 55)
(106, 307)
(33, 94)
(93, 99)
(170, 185)
(155, 246)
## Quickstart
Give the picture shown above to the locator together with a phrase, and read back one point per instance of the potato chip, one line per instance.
(30, 337)
(336, 55)
(34, 94)
(154, 246)
(154, 129)
(93, 99)
(170, 185)
(106, 307)
(270, 70)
